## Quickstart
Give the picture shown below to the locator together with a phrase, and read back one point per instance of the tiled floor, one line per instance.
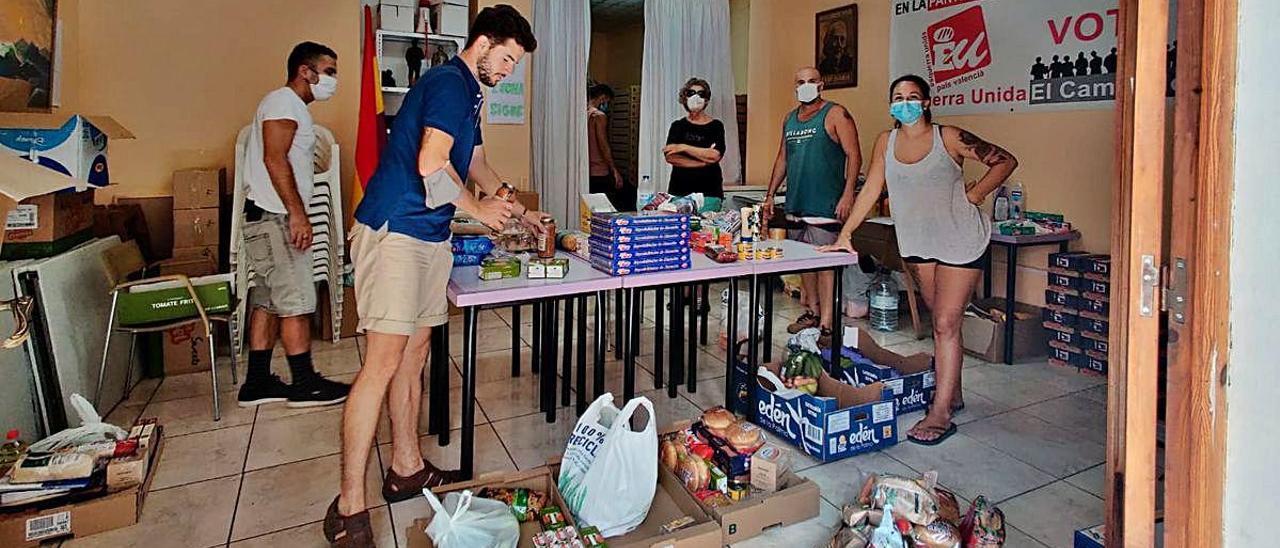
(1031, 438)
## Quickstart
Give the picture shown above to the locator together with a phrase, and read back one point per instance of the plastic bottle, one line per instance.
(883, 299)
(11, 449)
(1017, 201)
(645, 192)
(1002, 204)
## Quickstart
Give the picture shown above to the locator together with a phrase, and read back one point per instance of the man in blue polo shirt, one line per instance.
(402, 255)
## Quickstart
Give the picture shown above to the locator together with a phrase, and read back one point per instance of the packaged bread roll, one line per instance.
(717, 420)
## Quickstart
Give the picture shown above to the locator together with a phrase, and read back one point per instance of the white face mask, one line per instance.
(325, 88)
(695, 103)
(807, 92)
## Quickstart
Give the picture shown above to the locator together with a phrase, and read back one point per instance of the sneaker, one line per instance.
(317, 391)
(805, 321)
(268, 390)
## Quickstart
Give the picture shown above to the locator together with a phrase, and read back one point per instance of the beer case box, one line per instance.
(198, 188)
(1065, 281)
(838, 421)
(44, 226)
(1094, 325)
(1095, 289)
(169, 301)
(984, 337)
(1070, 260)
(54, 520)
(1060, 316)
(1097, 267)
(1077, 340)
(196, 227)
(1059, 297)
(910, 379)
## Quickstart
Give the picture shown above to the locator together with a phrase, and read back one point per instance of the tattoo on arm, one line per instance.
(985, 152)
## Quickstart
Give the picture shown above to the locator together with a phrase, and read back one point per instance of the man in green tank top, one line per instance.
(820, 159)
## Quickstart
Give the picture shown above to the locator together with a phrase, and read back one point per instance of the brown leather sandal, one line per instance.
(397, 488)
(352, 531)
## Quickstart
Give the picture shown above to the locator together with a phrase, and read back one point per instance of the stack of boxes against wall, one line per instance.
(1078, 302)
(199, 196)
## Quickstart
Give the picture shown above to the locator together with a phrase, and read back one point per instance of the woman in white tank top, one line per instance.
(942, 234)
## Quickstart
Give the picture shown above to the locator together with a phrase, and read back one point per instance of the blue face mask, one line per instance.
(604, 107)
(907, 112)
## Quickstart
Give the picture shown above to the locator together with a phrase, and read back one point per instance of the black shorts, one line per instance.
(978, 264)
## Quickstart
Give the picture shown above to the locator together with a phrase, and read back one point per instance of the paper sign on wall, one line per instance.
(506, 100)
(1012, 55)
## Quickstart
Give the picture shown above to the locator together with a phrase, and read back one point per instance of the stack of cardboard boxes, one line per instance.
(197, 246)
(1078, 302)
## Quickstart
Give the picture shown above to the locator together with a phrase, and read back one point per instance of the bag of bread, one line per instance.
(718, 420)
(938, 534)
(744, 437)
(983, 525)
(909, 497)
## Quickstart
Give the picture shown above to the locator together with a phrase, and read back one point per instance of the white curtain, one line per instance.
(559, 133)
(685, 39)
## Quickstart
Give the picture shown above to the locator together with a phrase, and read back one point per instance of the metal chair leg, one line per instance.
(106, 349)
(213, 373)
(128, 376)
(235, 357)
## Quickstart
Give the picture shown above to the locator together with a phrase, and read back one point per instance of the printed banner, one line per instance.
(1012, 55)
(506, 100)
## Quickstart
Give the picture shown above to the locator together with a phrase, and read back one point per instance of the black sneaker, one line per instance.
(317, 391)
(267, 390)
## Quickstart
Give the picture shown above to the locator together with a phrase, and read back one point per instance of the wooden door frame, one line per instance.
(1200, 242)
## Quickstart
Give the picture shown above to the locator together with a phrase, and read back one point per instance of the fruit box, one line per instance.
(911, 379)
(538, 479)
(838, 421)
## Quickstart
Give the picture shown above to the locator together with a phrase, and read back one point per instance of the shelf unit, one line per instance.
(624, 130)
(396, 42)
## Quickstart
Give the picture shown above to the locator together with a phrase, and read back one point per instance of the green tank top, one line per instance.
(815, 166)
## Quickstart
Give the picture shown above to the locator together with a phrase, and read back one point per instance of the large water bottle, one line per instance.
(1017, 201)
(883, 298)
(645, 192)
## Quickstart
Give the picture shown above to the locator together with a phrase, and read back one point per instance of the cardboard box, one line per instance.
(172, 301)
(204, 253)
(839, 421)
(396, 18)
(528, 199)
(44, 226)
(1095, 289)
(1077, 340)
(198, 188)
(1058, 316)
(769, 465)
(81, 518)
(910, 379)
(75, 146)
(186, 349)
(405, 3)
(191, 267)
(984, 337)
(196, 227)
(450, 19)
(1065, 281)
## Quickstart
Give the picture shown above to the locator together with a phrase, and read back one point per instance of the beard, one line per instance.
(485, 70)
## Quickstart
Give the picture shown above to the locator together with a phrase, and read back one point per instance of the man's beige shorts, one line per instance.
(282, 277)
(401, 281)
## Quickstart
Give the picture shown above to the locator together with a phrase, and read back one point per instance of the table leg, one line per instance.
(468, 390)
(535, 360)
(582, 354)
(1065, 246)
(731, 355)
(691, 372)
(552, 314)
(618, 314)
(434, 364)
(633, 341)
(637, 304)
(675, 370)
(986, 274)
(566, 368)
(515, 341)
(704, 310)
(600, 336)
(753, 324)
(768, 319)
(1010, 295)
(660, 322)
(837, 311)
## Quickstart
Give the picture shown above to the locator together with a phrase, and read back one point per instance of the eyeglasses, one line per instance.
(699, 92)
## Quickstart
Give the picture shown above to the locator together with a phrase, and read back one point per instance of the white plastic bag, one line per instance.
(91, 429)
(464, 521)
(619, 487)
(583, 445)
(744, 316)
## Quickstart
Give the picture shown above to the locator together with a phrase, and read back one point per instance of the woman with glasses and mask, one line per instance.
(695, 145)
(942, 233)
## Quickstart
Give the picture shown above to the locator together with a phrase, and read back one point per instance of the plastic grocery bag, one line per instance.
(618, 488)
(464, 521)
(91, 429)
(580, 452)
(744, 316)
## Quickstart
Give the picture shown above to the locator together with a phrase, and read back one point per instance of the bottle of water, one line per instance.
(1017, 200)
(645, 192)
(1001, 211)
(883, 298)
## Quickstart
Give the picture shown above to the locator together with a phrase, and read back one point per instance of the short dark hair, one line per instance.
(598, 90)
(925, 93)
(695, 81)
(307, 53)
(501, 23)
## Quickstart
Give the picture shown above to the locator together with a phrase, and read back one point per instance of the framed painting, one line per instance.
(836, 46)
(27, 39)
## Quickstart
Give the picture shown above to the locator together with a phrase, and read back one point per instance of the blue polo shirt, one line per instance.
(446, 98)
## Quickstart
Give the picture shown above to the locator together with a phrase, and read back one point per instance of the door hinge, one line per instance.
(1150, 282)
(1174, 295)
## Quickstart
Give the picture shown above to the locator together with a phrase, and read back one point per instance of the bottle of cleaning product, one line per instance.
(11, 450)
(883, 300)
(1017, 201)
(1002, 204)
(645, 192)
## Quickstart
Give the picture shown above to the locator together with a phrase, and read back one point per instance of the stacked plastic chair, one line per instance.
(328, 245)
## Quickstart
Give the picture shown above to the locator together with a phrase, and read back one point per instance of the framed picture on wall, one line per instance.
(27, 40)
(835, 46)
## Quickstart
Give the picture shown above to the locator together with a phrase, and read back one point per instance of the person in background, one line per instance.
(819, 158)
(1082, 65)
(943, 235)
(400, 247)
(694, 147)
(279, 170)
(604, 175)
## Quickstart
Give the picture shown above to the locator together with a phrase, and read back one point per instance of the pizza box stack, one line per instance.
(639, 243)
(1078, 303)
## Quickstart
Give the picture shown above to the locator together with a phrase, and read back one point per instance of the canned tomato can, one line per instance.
(506, 192)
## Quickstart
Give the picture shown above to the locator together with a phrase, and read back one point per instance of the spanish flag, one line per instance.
(372, 132)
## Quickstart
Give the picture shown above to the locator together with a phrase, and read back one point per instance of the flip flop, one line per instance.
(948, 432)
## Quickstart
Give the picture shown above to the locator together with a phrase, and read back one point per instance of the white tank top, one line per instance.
(931, 214)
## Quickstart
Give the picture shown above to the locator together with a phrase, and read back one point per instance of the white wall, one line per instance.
(1252, 497)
